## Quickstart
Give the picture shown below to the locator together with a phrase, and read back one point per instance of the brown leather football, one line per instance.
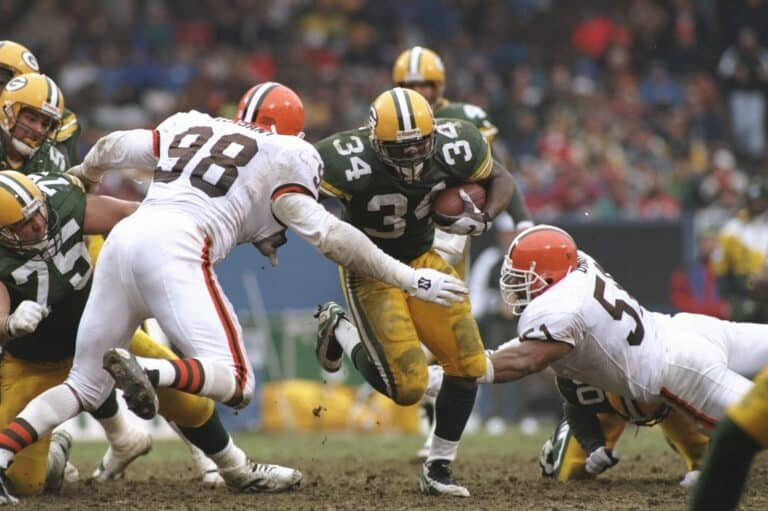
(448, 202)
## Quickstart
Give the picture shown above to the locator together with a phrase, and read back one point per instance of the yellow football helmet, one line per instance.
(15, 60)
(419, 65)
(20, 200)
(402, 131)
(36, 92)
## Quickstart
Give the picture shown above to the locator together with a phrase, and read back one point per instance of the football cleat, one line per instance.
(436, 479)
(58, 459)
(120, 455)
(6, 497)
(261, 477)
(131, 378)
(327, 348)
(207, 471)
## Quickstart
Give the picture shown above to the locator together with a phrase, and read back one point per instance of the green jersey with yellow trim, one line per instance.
(62, 282)
(467, 112)
(396, 214)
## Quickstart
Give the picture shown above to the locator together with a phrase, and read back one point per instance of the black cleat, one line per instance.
(131, 378)
(436, 479)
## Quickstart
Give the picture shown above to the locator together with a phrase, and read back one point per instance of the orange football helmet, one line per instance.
(273, 107)
(537, 258)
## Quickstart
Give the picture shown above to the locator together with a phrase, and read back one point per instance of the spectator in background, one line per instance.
(744, 71)
(741, 255)
(693, 287)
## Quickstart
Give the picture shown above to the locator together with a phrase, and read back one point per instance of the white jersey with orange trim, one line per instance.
(615, 340)
(225, 175)
(698, 363)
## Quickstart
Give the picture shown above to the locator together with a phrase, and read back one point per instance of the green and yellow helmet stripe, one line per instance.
(404, 109)
(418, 64)
(19, 197)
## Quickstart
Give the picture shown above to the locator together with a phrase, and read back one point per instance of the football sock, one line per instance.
(195, 376)
(37, 419)
(347, 335)
(117, 427)
(452, 409)
(442, 449)
(210, 438)
(367, 369)
(726, 468)
(231, 456)
(108, 408)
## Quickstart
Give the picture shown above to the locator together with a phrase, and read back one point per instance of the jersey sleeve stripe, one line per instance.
(484, 169)
(156, 143)
(329, 189)
(290, 188)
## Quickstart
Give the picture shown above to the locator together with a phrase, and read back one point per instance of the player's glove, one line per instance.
(471, 222)
(600, 460)
(547, 459)
(437, 287)
(24, 319)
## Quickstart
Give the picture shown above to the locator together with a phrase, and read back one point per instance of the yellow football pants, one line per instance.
(393, 325)
(751, 412)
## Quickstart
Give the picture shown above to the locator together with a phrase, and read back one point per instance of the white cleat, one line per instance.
(118, 457)
(261, 477)
(58, 460)
(207, 471)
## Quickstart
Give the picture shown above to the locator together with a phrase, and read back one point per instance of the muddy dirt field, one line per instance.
(378, 477)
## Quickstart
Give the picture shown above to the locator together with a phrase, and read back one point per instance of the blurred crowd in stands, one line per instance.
(607, 109)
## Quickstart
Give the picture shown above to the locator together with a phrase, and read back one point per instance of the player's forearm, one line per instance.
(501, 189)
(119, 150)
(513, 363)
(340, 241)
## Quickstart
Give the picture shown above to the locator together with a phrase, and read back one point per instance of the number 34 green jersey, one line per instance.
(62, 283)
(393, 213)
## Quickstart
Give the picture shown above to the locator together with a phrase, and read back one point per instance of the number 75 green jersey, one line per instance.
(393, 213)
(62, 282)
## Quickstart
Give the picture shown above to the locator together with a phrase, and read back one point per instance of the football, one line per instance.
(449, 202)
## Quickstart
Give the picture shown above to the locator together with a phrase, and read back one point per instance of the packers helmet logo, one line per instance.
(15, 84)
(30, 60)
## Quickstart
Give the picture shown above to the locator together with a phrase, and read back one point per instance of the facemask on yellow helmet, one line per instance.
(39, 94)
(20, 201)
(15, 60)
(402, 131)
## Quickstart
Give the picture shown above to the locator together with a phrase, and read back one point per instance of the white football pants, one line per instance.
(155, 263)
(709, 363)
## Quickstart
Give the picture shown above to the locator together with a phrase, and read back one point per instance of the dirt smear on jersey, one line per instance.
(354, 483)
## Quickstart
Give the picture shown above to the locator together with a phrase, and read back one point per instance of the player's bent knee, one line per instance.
(411, 392)
(473, 366)
(186, 410)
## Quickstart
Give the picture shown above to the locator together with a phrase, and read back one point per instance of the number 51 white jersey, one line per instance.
(615, 341)
(225, 175)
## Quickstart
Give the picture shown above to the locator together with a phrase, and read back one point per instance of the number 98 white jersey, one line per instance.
(615, 341)
(225, 175)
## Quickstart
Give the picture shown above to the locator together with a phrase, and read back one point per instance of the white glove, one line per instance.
(600, 460)
(24, 319)
(437, 287)
(471, 222)
(547, 459)
(690, 478)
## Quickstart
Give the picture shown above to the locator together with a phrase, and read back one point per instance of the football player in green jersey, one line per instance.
(422, 70)
(32, 117)
(385, 175)
(60, 151)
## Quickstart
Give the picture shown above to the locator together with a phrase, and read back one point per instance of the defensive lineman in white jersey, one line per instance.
(217, 183)
(575, 318)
